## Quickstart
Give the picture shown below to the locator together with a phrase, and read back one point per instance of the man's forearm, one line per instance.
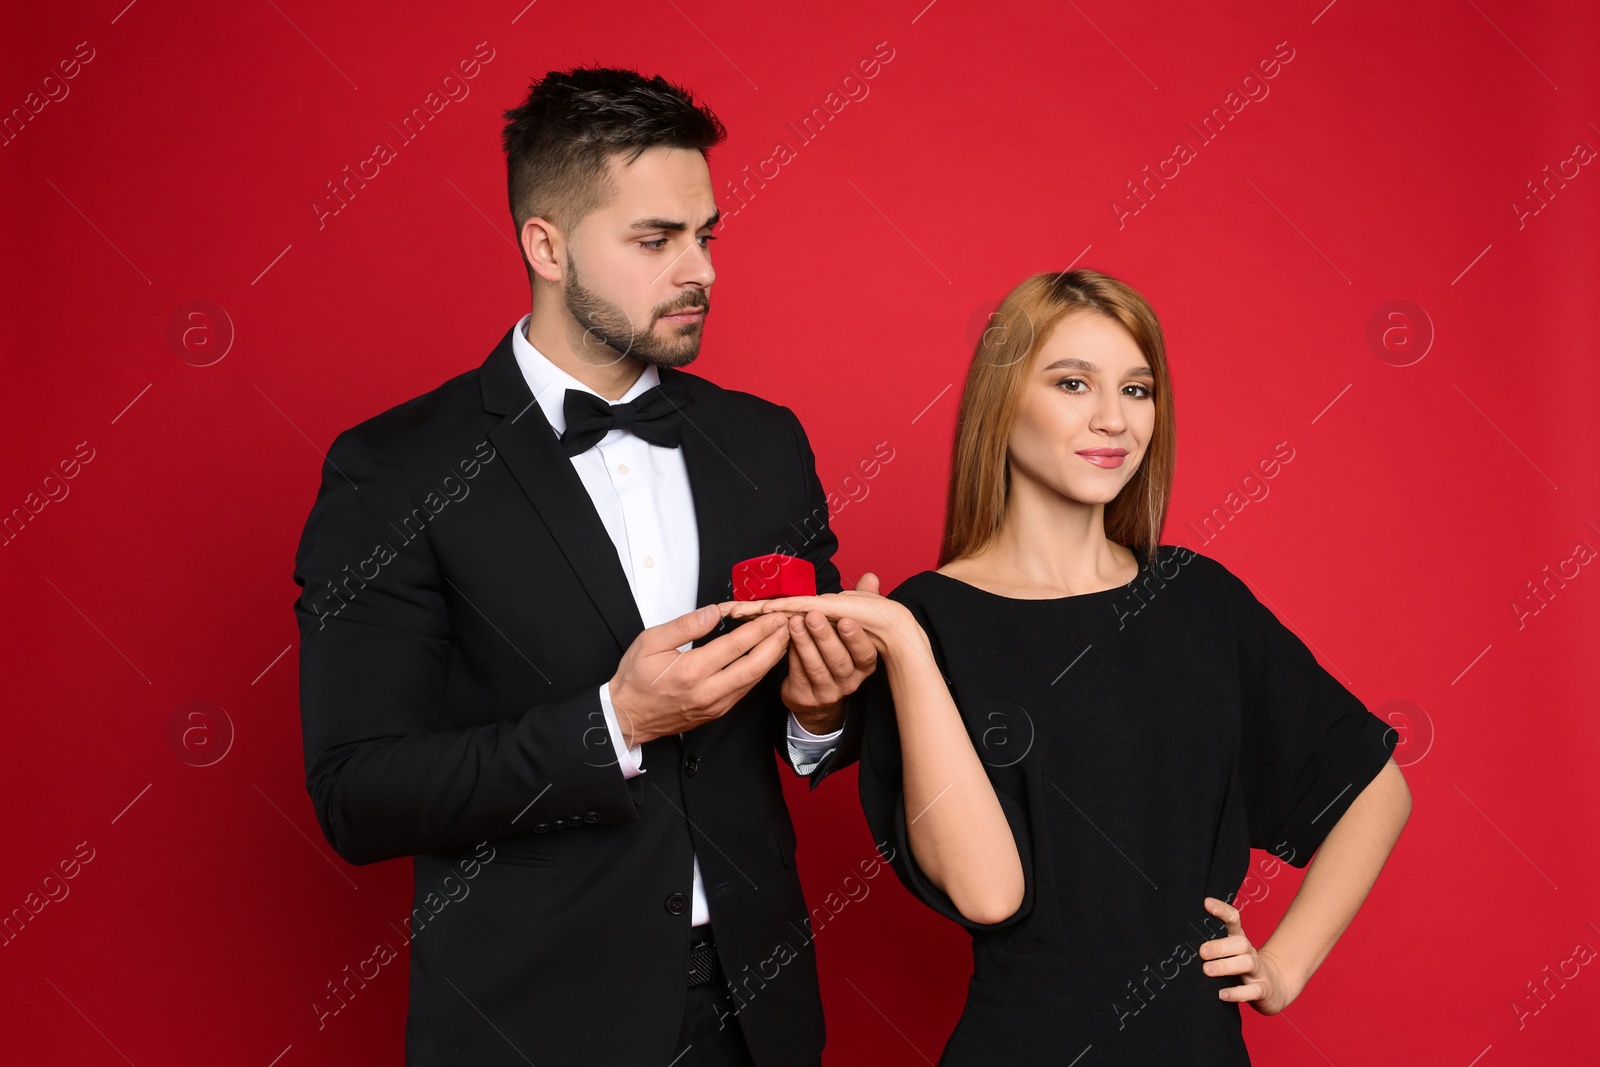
(1340, 876)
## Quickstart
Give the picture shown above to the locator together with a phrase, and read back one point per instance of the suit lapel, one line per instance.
(533, 455)
(716, 484)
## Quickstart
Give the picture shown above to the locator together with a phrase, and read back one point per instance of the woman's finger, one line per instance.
(742, 609)
(799, 603)
(1248, 991)
(1242, 964)
(1222, 948)
(1226, 912)
(835, 606)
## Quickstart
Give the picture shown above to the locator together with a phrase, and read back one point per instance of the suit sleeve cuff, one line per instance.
(631, 760)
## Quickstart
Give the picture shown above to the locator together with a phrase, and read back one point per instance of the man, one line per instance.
(503, 673)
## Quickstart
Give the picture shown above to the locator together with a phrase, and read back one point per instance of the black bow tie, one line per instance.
(655, 415)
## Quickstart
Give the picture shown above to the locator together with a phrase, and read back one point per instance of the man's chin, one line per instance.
(669, 354)
(670, 359)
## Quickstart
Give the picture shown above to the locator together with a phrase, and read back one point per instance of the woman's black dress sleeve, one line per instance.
(883, 801)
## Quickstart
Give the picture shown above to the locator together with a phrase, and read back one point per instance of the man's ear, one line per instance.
(544, 244)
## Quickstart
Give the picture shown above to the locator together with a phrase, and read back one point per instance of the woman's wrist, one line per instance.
(1292, 971)
(905, 642)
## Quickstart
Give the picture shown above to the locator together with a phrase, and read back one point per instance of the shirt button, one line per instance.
(622, 468)
(691, 765)
(649, 561)
(677, 904)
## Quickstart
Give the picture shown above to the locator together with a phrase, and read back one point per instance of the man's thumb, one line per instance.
(697, 623)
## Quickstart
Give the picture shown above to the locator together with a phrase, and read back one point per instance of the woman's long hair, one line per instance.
(980, 471)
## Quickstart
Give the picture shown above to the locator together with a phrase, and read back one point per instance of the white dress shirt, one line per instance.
(642, 494)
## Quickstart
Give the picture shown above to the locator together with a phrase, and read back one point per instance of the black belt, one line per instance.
(702, 955)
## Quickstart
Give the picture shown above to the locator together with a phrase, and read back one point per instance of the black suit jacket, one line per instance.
(461, 604)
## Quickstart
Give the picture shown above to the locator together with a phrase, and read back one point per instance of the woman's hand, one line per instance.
(887, 623)
(1264, 982)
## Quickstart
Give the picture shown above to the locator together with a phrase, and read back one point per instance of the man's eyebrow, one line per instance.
(1085, 365)
(672, 225)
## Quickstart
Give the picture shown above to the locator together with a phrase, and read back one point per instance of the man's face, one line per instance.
(639, 269)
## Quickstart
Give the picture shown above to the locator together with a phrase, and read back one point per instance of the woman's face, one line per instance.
(1086, 412)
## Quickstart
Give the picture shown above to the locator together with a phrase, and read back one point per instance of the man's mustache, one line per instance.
(697, 300)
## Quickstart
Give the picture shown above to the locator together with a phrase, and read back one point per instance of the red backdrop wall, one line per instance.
(1378, 255)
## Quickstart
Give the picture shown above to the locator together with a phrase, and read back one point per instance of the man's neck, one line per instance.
(611, 380)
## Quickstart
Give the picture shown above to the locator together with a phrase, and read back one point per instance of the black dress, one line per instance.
(1141, 741)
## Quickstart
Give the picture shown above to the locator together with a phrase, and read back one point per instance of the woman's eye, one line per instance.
(1144, 390)
(1069, 381)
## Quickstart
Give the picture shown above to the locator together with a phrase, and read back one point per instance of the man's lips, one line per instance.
(686, 314)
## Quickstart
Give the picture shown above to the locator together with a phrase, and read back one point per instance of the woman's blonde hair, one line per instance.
(980, 471)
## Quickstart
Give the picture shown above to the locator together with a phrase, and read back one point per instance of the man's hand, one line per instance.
(660, 690)
(827, 663)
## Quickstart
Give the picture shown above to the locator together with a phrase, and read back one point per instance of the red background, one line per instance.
(1383, 165)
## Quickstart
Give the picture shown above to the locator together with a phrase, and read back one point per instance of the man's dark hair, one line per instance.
(558, 142)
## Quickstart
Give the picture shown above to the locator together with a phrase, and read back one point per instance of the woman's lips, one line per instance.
(1109, 458)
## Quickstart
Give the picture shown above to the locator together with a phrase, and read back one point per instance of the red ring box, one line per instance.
(769, 577)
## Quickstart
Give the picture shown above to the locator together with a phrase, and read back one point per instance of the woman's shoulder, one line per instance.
(935, 599)
(1209, 578)
(1177, 559)
(919, 588)
(1213, 568)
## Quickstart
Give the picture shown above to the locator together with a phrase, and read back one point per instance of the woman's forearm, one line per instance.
(1340, 876)
(958, 832)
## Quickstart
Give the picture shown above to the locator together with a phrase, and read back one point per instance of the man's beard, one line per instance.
(607, 324)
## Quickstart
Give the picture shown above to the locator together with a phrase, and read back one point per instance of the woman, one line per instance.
(1078, 734)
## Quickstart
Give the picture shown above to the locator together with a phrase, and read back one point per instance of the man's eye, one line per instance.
(661, 242)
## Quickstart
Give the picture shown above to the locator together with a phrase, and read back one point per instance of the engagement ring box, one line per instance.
(769, 577)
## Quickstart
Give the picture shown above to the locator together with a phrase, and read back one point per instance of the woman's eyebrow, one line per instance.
(1073, 363)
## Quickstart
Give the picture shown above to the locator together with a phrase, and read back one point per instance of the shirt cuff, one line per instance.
(807, 749)
(631, 760)
(801, 735)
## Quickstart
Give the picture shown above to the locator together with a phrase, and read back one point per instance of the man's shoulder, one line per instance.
(722, 401)
(450, 412)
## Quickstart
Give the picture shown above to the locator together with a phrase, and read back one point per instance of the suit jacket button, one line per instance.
(690, 765)
(677, 904)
